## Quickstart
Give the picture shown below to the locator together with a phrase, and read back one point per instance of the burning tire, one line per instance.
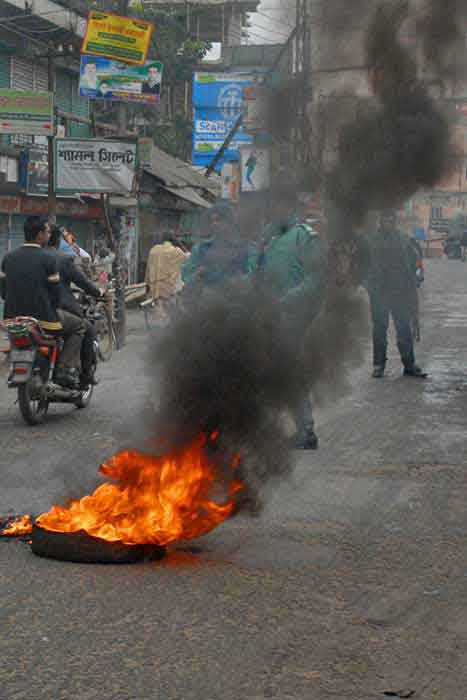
(83, 548)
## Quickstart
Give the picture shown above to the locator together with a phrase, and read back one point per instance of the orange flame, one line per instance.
(157, 499)
(18, 526)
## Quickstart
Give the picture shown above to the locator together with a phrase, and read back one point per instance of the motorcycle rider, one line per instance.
(70, 273)
(30, 287)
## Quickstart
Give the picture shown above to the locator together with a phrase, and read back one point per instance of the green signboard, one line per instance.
(26, 112)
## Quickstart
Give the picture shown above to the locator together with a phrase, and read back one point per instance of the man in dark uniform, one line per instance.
(391, 285)
(293, 266)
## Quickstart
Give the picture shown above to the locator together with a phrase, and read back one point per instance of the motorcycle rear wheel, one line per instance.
(33, 410)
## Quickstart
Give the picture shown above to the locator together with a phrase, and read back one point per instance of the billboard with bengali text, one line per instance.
(27, 112)
(94, 165)
(113, 36)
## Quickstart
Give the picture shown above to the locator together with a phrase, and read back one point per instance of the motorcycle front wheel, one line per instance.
(105, 336)
(32, 408)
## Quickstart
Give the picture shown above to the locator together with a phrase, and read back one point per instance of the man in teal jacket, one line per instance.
(220, 257)
(293, 268)
(391, 285)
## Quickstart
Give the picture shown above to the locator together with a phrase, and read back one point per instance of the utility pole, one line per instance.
(120, 308)
(51, 196)
(302, 135)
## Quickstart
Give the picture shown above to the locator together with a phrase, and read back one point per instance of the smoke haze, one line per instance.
(234, 363)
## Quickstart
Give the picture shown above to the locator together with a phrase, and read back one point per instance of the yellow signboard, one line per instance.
(124, 39)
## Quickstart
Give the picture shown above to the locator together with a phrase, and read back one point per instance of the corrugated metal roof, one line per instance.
(182, 180)
(246, 5)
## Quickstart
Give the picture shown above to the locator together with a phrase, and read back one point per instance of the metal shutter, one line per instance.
(81, 109)
(41, 78)
(22, 74)
(63, 98)
(4, 71)
(13, 240)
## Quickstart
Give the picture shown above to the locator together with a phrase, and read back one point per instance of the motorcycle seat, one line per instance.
(42, 338)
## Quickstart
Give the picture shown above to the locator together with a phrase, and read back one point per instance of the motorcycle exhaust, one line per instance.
(61, 395)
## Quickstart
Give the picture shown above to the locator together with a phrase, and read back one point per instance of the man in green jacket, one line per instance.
(391, 285)
(292, 266)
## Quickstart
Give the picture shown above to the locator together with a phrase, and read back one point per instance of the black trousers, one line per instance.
(88, 349)
(382, 307)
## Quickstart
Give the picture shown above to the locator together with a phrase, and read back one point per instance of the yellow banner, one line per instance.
(124, 39)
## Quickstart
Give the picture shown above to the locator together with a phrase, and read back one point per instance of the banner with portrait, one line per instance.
(115, 81)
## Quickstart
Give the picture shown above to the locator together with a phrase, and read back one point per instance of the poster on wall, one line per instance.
(255, 108)
(26, 112)
(115, 81)
(37, 182)
(113, 36)
(256, 168)
(231, 181)
(94, 165)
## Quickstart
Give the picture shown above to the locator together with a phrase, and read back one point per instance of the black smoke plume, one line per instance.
(397, 145)
(233, 363)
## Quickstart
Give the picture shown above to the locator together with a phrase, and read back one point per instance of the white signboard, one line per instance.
(94, 165)
(256, 168)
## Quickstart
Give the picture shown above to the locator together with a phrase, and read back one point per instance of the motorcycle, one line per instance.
(33, 358)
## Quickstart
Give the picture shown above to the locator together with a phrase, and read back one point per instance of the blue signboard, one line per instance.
(217, 103)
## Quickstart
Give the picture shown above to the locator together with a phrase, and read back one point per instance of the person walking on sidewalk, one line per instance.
(391, 286)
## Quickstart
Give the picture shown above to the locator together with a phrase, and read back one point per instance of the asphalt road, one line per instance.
(353, 582)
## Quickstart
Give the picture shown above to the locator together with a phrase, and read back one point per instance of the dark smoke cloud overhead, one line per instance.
(442, 27)
(402, 143)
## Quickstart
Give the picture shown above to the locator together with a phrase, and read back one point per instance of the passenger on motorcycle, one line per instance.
(70, 273)
(30, 287)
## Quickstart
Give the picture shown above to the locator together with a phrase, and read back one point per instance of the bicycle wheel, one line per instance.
(105, 336)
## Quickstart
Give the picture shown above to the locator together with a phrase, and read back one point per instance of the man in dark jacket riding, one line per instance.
(70, 273)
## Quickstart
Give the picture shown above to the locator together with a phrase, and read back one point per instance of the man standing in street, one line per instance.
(292, 266)
(391, 285)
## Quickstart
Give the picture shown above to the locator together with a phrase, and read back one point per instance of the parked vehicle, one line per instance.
(453, 249)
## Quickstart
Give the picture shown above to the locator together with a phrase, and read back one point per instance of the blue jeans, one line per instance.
(304, 419)
(382, 307)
